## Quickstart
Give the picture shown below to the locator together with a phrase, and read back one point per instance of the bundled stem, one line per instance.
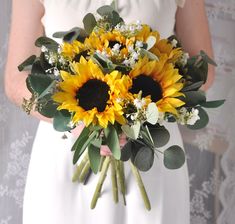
(84, 171)
(99, 185)
(80, 167)
(114, 180)
(141, 186)
(121, 179)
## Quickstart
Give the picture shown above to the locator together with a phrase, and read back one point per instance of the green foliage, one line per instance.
(75, 33)
(89, 22)
(61, 120)
(49, 43)
(147, 53)
(194, 98)
(213, 104)
(47, 107)
(160, 135)
(94, 155)
(131, 131)
(126, 151)
(152, 113)
(112, 141)
(81, 138)
(192, 87)
(38, 83)
(27, 64)
(174, 157)
(80, 148)
(144, 158)
(204, 120)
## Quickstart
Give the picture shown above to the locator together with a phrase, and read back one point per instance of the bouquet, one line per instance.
(118, 78)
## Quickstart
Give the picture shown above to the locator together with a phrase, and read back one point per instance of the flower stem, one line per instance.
(101, 163)
(114, 180)
(84, 171)
(99, 185)
(141, 186)
(121, 179)
(80, 167)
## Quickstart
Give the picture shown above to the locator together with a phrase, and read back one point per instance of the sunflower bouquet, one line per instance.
(117, 78)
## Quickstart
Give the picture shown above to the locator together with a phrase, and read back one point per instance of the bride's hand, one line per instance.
(105, 151)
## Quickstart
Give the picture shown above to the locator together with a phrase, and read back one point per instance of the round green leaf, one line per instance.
(194, 98)
(61, 121)
(174, 157)
(204, 120)
(126, 151)
(89, 22)
(105, 10)
(160, 135)
(131, 131)
(38, 83)
(144, 158)
(48, 43)
(152, 113)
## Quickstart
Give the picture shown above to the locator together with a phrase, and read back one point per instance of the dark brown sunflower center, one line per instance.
(94, 93)
(113, 42)
(78, 56)
(148, 86)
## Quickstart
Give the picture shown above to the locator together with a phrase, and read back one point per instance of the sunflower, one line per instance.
(91, 96)
(109, 42)
(164, 47)
(145, 33)
(159, 80)
(74, 50)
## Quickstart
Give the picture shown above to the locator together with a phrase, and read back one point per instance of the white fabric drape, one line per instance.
(211, 152)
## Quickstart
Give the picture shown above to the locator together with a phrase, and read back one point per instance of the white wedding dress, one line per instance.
(50, 195)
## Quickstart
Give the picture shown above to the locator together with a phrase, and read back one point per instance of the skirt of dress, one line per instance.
(52, 198)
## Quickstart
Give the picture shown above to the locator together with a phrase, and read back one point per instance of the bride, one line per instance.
(50, 196)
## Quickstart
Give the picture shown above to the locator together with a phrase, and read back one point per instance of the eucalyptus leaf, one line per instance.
(75, 33)
(151, 41)
(192, 87)
(112, 141)
(174, 157)
(37, 68)
(94, 156)
(126, 151)
(194, 98)
(213, 104)
(81, 148)
(150, 55)
(152, 113)
(144, 159)
(202, 122)
(38, 83)
(105, 10)
(207, 59)
(27, 64)
(49, 43)
(89, 22)
(131, 131)
(47, 107)
(82, 138)
(61, 120)
(160, 135)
